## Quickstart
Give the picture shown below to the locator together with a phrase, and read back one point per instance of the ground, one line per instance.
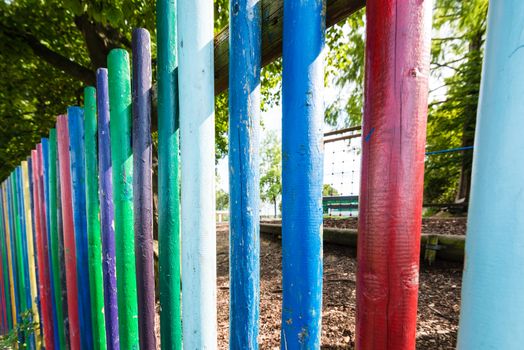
(439, 296)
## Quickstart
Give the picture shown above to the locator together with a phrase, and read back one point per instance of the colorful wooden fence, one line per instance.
(76, 218)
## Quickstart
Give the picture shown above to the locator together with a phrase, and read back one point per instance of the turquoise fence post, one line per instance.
(169, 258)
(491, 314)
(197, 146)
(244, 178)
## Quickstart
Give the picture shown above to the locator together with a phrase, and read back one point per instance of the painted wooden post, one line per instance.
(122, 157)
(25, 247)
(143, 187)
(53, 239)
(197, 145)
(61, 250)
(62, 130)
(30, 248)
(12, 247)
(3, 309)
(42, 149)
(20, 232)
(107, 211)
(76, 151)
(39, 339)
(302, 170)
(9, 255)
(492, 300)
(244, 177)
(22, 239)
(43, 261)
(168, 177)
(96, 281)
(18, 249)
(394, 132)
(5, 261)
(4, 329)
(47, 244)
(21, 236)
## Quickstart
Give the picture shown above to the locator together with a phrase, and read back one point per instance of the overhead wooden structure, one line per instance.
(272, 20)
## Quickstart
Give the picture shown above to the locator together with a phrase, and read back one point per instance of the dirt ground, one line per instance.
(439, 296)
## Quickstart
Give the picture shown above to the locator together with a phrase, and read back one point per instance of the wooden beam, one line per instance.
(272, 19)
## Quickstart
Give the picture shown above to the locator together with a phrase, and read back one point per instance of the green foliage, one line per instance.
(49, 50)
(457, 60)
(271, 170)
(329, 191)
(23, 330)
(345, 70)
(222, 200)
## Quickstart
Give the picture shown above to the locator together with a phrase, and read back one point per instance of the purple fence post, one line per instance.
(142, 187)
(107, 211)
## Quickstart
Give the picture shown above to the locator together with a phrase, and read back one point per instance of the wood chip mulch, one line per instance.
(439, 297)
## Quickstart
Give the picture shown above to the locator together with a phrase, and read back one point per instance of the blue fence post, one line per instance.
(302, 168)
(76, 147)
(244, 191)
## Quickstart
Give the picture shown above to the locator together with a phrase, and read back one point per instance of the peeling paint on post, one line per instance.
(107, 211)
(66, 203)
(244, 121)
(398, 41)
(492, 300)
(197, 145)
(76, 151)
(302, 170)
(143, 187)
(168, 177)
(122, 157)
(96, 282)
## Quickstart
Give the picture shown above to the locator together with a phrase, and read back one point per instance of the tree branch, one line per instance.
(55, 59)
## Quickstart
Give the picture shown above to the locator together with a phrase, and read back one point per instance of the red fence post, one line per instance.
(394, 131)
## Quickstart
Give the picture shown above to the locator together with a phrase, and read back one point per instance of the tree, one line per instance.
(49, 50)
(271, 170)
(329, 191)
(222, 200)
(452, 117)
